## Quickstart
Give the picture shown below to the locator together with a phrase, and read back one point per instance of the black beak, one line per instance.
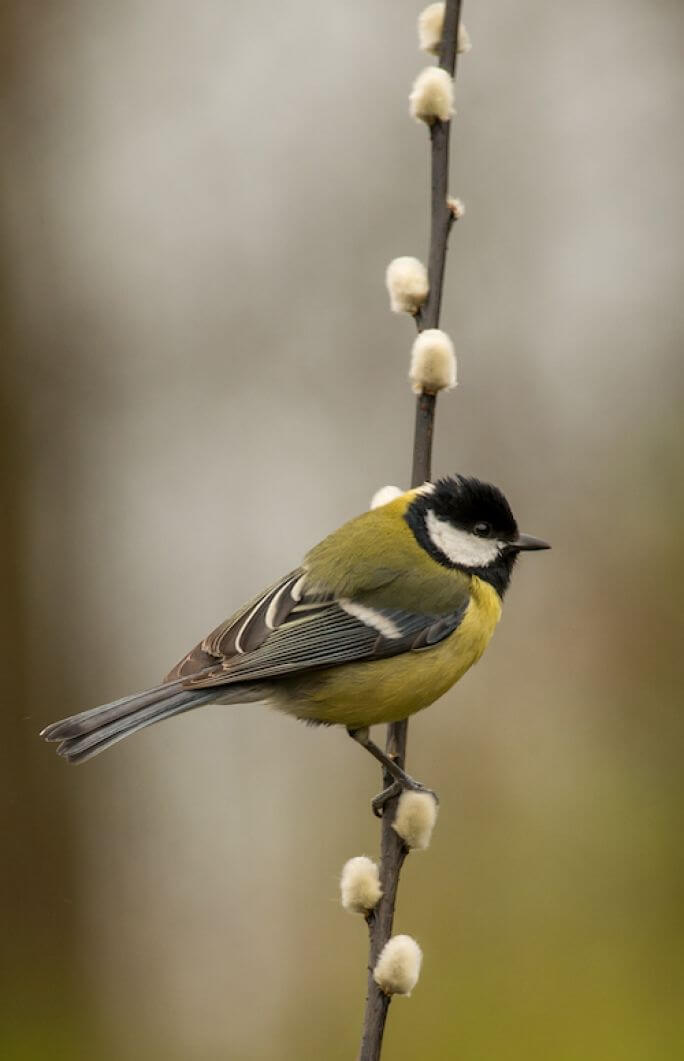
(526, 543)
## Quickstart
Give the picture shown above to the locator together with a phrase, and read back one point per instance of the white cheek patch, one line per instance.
(459, 546)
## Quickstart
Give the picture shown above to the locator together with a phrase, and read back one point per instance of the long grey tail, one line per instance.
(90, 732)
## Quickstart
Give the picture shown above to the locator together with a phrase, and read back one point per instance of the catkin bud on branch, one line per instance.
(464, 43)
(432, 96)
(430, 27)
(384, 495)
(407, 283)
(360, 889)
(457, 207)
(415, 819)
(430, 24)
(398, 967)
(433, 362)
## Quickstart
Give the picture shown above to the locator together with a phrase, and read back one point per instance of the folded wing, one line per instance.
(329, 633)
(245, 630)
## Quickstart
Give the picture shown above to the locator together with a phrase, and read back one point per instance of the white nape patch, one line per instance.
(369, 617)
(384, 495)
(426, 488)
(459, 546)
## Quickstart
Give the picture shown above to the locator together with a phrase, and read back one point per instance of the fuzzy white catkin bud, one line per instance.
(433, 362)
(384, 495)
(415, 819)
(430, 22)
(398, 967)
(360, 889)
(457, 208)
(432, 96)
(407, 283)
(430, 26)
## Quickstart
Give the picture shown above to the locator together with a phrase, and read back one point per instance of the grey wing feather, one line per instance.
(246, 629)
(326, 635)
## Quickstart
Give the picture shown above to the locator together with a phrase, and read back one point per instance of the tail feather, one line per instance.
(78, 748)
(95, 717)
(88, 733)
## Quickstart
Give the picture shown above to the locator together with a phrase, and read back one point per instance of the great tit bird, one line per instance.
(382, 617)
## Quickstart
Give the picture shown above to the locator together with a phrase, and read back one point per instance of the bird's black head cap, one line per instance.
(467, 524)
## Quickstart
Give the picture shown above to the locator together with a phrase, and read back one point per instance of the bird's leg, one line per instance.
(402, 780)
(378, 802)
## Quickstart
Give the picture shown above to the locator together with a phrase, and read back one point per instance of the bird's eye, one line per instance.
(483, 530)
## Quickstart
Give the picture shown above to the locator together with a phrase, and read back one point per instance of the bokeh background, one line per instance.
(200, 379)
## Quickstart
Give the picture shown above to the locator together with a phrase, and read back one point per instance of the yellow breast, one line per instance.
(365, 694)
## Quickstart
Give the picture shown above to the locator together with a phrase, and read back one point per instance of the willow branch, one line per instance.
(392, 848)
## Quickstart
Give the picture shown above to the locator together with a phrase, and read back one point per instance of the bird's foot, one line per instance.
(402, 781)
(406, 784)
(378, 802)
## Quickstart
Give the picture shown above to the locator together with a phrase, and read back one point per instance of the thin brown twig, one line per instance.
(392, 848)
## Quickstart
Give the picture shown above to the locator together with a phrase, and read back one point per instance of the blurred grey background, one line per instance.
(201, 378)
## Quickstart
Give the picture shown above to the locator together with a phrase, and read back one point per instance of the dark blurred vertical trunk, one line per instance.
(38, 901)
